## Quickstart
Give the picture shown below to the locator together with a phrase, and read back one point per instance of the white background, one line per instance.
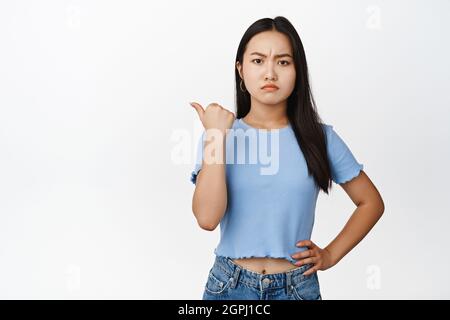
(95, 197)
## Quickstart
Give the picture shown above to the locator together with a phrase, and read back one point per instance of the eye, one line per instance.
(285, 64)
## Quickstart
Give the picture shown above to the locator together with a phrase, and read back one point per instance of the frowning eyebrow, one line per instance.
(276, 56)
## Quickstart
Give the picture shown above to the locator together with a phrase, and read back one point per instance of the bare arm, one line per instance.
(209, 201)
(370, 207)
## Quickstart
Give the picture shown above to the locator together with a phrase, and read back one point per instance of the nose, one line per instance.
(270, 71)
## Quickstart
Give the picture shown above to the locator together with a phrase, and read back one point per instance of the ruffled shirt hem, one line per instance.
(243, 256)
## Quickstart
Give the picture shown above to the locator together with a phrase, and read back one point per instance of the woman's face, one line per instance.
(262, 65)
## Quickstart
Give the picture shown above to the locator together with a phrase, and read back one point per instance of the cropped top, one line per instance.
(271, 198)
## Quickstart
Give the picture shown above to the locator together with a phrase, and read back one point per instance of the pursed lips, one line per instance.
(270, 87)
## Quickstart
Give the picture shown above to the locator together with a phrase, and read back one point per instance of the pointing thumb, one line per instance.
(198, 108)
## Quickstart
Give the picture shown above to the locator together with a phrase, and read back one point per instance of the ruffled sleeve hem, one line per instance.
(193, 177)
(353, 173)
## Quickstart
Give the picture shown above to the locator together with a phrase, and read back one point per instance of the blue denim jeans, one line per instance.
(230, 281)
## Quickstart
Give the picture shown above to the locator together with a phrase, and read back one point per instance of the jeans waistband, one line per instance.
(260, 280)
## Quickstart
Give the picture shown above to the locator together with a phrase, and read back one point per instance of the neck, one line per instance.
(265, 115)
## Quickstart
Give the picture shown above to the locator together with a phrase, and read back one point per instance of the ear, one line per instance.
(239, 68)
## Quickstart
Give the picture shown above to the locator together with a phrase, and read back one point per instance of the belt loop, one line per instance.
(235, 276)
(288, 282)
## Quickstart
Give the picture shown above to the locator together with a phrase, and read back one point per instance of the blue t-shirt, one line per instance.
(271, 198)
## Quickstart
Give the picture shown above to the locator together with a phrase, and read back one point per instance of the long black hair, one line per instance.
(301, 108)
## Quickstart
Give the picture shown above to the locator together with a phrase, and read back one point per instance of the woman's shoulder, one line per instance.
(238, 123)
(327, 128)
(326, 125)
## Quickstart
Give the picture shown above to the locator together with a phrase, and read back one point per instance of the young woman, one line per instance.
(266, 212)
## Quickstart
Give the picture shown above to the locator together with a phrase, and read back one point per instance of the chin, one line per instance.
(271, 100)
